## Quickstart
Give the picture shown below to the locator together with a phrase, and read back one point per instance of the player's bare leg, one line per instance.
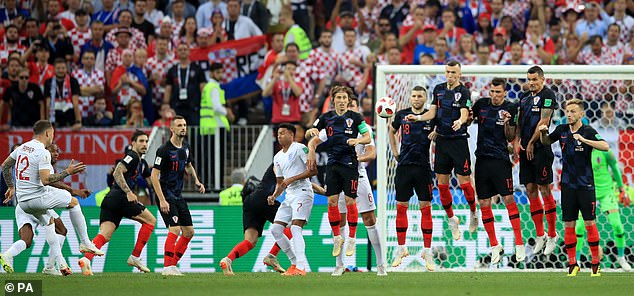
(446, 199)
(25, 241)
(249, 242)
(469, 193)
(550, 210)
(106, 229)
(537, 214)
(147, 221)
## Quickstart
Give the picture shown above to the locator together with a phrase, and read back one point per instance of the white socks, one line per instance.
(16, 248)
(285, 244)
(373, 236)
(55, 252)
(79, 222)
(300, 247)
(344, 234)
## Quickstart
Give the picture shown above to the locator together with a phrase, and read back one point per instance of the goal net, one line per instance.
(608, 92)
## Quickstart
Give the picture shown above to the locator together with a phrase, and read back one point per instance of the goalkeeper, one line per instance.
(602, 163)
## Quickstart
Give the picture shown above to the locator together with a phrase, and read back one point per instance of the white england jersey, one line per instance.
(292, 163)
(30, 158)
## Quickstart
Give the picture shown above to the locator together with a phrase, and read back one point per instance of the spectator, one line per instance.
(57, 42)
(114, 56)
(295, 34)
(351, 61)
(285, 92)
(152, 14)
(214, 112)
(396, 11)
(70, 12)
(97, 45)
(203, 14)
(346, 20)
(81, 33)
(10, 45)
(165, 31)
(497, 8)
(466, 51)
(484, 30)
(218, 32)
(100, 117)
(54, 10)
(613, 45)
(608, 119)
(441, 55)
(261, 16)
(32, 32)
(390, 41)
(238, 26)
(500, 49)
(571, 49)
(140, 23)
(125, 21)
(276, 47)
(516, 54)
(188, 9)
(411, 36)
(128, 83)
(596, 54)
(134, 115)
(40, 70)
(380, 32)
(427, 44)
(537, 48)
(24, 100)
(91, 83)
(570, 17)
(393, 56)
(449, 31)
(371, 12)
(622, 19)
(324, 63)
(166, 113)
(62, 97)
(183, 86)
(12, 69)
(232, 196)
(178, 16)
(511, 32)
(188, 33)
(516, 10)
(10, 11)
(590, 24)
(156, 70)
(108, 15)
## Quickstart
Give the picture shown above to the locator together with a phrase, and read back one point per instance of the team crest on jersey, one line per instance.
(175, 219)
(536, 100)
(30, 94)
(349, 122)
(127, 159)
(500, 119)
(457, 96)
(187, 153)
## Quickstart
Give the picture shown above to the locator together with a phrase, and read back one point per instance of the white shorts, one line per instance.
(38, 207)
(365, 198)
(297, 206)
(22, 218)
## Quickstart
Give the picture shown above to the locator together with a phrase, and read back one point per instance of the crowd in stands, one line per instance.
(103, 63)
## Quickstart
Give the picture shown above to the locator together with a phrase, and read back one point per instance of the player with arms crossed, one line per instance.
(577, 141)
(602, 163)
(413, 173)
(173, 159)
(122, 202)
(292, 175)
(493, 168)
(33, 171)
(450, 108)
(364, 204)
(342, 129)
(27, 224)
(536, 159)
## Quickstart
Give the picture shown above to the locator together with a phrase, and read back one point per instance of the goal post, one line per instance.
(597, 85)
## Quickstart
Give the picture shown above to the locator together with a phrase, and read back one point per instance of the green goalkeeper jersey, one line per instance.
(602, 163)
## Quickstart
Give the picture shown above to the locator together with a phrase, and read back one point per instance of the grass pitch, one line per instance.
(436, 284)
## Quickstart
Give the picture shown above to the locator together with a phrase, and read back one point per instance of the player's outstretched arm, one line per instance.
(73, 168)
(311, 158)
(189, 168)
(83, 193)
(368, 155)
(429, 115)
(544, 137)
(318, 189)
(596, 144)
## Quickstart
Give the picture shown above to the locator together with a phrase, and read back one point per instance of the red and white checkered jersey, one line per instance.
(88, 79)
(114, 59)
(517, 11)
(352, 74)
(78, 38)
(529, 49)
(324, 62)
(158, 67)
(499, 56)
(586, 57)
(5, 50)
(127, 92)
(617, 51)
(626, 24)
(137, 41)
(305, 75)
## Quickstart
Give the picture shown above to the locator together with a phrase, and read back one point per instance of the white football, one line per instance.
(385, 107)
